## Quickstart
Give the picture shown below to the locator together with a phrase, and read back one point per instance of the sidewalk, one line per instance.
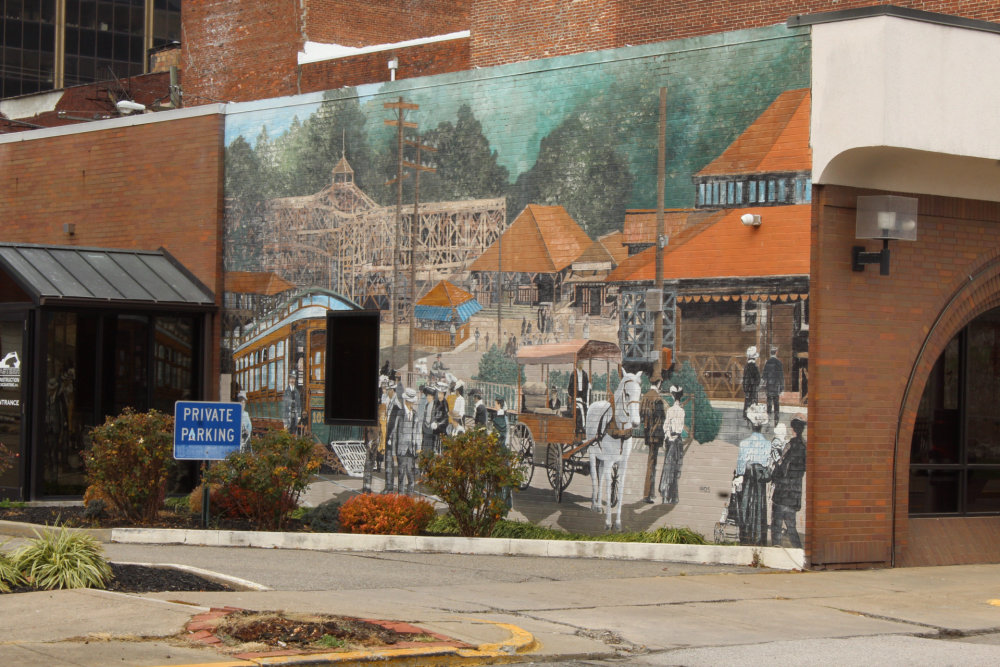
(935, 615)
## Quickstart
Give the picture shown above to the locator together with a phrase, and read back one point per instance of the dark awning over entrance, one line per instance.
(68, 275)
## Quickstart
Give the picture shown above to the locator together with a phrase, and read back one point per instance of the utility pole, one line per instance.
(400, 123)
(417, 166)
(661, 184)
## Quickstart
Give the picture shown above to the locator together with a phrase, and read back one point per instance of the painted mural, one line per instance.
(504, 223)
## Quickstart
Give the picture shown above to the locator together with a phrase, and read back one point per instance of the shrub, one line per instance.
(324, 518)
(9, 576)
(130, 458)
(264, 486)
(707, 419)
(7, 459)
(472, 475)
(62, 559)
(494, 367)
(195, 498)
(385, 514)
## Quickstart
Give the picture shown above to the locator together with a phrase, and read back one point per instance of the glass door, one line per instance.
(13, 377)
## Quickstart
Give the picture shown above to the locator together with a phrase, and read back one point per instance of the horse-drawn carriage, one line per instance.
(593, 439)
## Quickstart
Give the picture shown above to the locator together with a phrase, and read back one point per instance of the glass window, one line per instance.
(753, 192)
(955, 449)
(739, 192)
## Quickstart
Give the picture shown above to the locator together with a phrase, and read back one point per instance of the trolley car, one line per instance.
(288, 343)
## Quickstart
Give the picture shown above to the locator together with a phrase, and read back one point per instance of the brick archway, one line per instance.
(978, 293)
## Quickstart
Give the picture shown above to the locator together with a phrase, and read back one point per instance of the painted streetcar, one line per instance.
(286, 347)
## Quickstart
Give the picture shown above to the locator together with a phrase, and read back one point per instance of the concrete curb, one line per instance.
(233, 582)
(771, 557)
(32, 530)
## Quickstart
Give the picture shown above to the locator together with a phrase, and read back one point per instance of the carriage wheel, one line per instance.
(559, 473)
(522, 444)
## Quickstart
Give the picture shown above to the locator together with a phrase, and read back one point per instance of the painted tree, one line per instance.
(580, 168)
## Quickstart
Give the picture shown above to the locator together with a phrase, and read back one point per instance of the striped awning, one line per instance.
(445, 313)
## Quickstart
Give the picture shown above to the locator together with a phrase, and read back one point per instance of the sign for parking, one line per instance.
(206, 431)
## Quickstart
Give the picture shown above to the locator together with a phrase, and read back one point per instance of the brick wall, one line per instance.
(423, 60)
(867, 331)
(505, 31)
(142, 187)
(235, 50)
(352, 23)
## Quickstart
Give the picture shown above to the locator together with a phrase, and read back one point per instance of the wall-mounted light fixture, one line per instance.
(69, 228)
(750, 220)
(393, 66)
(883, 217)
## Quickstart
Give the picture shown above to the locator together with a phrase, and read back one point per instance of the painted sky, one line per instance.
(717, 85)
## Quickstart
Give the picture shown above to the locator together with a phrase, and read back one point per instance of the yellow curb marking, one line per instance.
(520, 641)
(994, 602)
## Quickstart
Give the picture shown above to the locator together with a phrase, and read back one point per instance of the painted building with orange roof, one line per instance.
(769, 164)
(444, 307)
(731, 290)
(534, 255)
(589, 271)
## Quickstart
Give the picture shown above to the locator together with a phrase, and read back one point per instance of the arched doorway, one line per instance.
(955, 446)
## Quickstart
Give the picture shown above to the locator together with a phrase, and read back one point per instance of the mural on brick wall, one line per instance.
(503, 221)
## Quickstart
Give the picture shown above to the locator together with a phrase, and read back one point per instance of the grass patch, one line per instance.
(445, 525)
(8, 504)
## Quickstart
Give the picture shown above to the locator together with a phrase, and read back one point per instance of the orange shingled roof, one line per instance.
(445, 294)
(640, 224)
(727, 248)
(777, 141)
(615, 245)
(543, 239)
(252, 282)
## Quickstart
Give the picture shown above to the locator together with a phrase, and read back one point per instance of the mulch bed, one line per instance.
(72, 516)
(144, 579)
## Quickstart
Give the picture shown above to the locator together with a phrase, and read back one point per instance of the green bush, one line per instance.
(62, 559)
(494, 367)
(385, 514)
(446, 525)
(9, 576)
(472, 475)
(129, 460)
(707, 420)
(324, 518)
(264, 486)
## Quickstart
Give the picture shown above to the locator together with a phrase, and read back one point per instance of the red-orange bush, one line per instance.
(385, 514)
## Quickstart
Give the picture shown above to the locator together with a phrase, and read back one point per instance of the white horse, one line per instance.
(607, 423)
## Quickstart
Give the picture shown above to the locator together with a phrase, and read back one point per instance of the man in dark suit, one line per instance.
(786, 477)
(579, 394)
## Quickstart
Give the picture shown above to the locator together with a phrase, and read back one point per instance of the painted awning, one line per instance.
(444, 313)
(782, 297)
(568, 352)
(70, 275)
(446, 302)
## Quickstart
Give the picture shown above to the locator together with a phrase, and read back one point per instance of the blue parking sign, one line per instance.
(205, 430)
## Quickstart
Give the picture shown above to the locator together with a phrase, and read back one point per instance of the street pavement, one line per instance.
(579, 611)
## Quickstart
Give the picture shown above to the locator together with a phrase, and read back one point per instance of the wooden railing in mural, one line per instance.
(720, 373)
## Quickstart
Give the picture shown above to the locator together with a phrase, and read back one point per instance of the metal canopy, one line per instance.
(54, 275)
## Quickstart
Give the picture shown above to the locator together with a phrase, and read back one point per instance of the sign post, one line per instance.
(206, 431)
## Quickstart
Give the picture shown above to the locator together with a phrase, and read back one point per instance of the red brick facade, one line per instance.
(505, 31)
(423, 60)
(868, 332)
(143, 187)
(351, 23)
(236, 51)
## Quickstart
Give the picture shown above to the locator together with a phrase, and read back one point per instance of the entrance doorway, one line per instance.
(13, 376)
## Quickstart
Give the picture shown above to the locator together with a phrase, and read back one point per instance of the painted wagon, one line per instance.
(543, 420)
